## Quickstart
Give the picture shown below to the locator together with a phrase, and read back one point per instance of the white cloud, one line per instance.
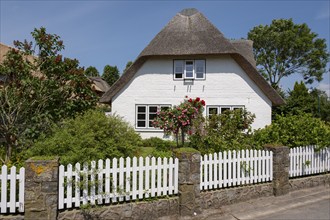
(324, 13)
(325, 87)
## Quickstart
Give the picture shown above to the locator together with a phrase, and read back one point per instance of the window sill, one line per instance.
(148, 130)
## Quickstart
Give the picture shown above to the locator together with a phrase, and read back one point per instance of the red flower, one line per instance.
(203, 102)
(190, 100)
(197, 99)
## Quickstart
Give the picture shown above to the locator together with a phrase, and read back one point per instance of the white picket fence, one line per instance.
(12, 190)
(235, 168)
(116, 182)
(307, 161)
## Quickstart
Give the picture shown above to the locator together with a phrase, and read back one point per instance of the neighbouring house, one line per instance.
(99, 85)
(191, 57)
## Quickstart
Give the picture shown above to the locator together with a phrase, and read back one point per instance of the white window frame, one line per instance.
(147, 114)
(184, 71)
(192, 71)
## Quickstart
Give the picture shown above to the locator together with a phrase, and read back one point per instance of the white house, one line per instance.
(191, 57)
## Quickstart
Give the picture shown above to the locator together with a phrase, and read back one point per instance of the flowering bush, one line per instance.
(179, 118)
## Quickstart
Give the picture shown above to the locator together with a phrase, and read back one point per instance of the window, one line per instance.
(189, 69)
(145, 114)
(178, 69)
(213, 110)
(200, 69)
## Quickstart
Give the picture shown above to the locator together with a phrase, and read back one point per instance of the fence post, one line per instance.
(41, 189)
(189, 181)
(281, 164)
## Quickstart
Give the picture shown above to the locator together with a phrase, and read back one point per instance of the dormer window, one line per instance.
(189, 69)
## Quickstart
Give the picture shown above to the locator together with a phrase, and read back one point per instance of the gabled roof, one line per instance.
(191, 33)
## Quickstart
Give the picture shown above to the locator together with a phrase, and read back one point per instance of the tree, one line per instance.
(179, 118)
(321, 107)
(91, 71)
(41, 88)
(110, 74)
(284, 48)
(301, 99)
(128, 65)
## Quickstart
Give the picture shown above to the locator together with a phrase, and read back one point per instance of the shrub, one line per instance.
(294, 131)
(230, 130)
(90, 136)
(158, 143)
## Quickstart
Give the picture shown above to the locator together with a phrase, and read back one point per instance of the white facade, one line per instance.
(226, 84)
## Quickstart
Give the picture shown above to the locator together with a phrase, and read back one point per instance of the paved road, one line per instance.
(315, 210)
(307, 204)
(312, 203)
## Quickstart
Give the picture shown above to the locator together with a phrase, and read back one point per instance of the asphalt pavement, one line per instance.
(312, 203)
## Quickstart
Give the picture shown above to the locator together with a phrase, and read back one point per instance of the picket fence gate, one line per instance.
(235, 168)
(127, 180)
(12, 193)
(307, 161)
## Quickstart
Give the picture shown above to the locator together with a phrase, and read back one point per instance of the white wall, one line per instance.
(225, 84)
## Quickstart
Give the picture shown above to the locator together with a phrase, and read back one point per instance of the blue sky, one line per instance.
(98, 33)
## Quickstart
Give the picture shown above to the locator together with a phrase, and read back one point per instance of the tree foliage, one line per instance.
(91, 71)
(110, 74)
(128, 65)
(40, 88)
(284, 48)
(89, 136)
(301, 99)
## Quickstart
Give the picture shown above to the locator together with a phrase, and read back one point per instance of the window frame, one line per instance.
(220, 107)
(147, 114)
(184, 72)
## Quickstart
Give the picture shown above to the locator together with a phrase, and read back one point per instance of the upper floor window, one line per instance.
(189, 69)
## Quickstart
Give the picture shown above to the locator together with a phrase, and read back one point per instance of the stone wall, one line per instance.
(11, 216)
(41, 189)
(216, 198)
(281, 164)
(189, 182)
(134, 210)
(308, 182)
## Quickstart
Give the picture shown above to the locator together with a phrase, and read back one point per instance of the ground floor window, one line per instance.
(218, 109)
(145, 114)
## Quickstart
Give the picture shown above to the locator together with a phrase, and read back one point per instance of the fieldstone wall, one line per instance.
(41, 189)
(11, 216)
(281, 164)
(135, 210)
(217, 198)
(189, 183)
(308, 182)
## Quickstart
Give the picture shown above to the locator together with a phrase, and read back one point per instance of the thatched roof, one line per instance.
(3, 51)
(245, 47)
(99, 84)
(190, 33)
